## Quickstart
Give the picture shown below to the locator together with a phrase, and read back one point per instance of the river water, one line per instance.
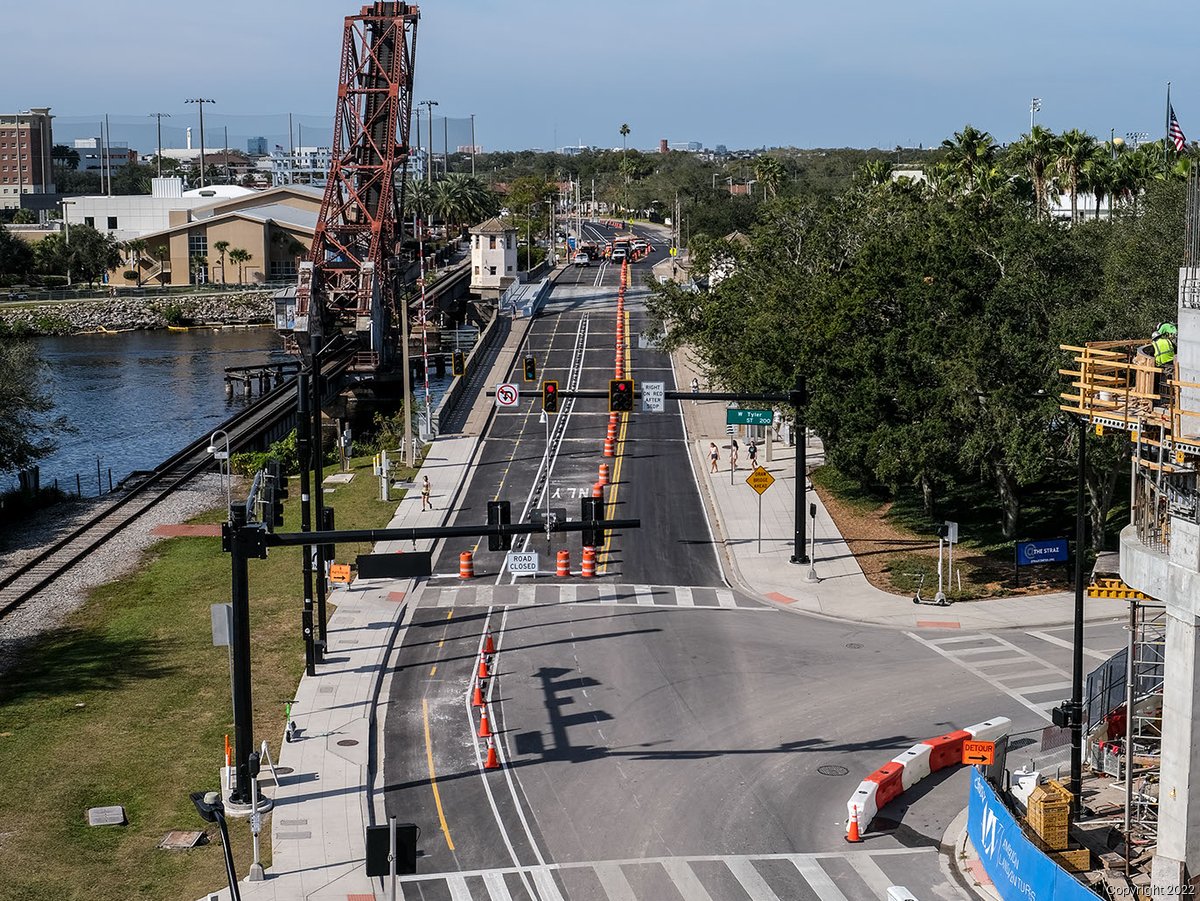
(135, 398)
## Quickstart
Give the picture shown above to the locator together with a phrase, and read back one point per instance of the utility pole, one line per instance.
(472, 145)
(429, 105)
(304, 453)
(799, 401)
(159, 117)
(201, 101)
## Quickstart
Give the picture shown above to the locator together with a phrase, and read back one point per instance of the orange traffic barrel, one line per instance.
(589, 563)
(466, 565)
(564, 563)
(603, 473)
(609, 451)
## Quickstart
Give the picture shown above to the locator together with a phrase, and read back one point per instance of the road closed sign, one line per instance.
(507, 395)
(522, 563)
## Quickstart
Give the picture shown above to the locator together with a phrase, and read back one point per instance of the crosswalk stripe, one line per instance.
(1034, 689)
(999, 661)
(686, 881)
(750, 879)
(526, 594)
(818, 879)
(683, 597)
(614, 883)
(496, 887)
(566, 594)
(725, 599)
(645, 594)
(607, 594)
(989, 649)
(545, 884)
(458, 888)
(870, 872)
(954, 639)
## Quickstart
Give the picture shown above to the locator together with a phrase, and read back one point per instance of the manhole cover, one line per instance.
(181, 841)
(284, 770)
(348, 742)
(832, 769)
(854, 645)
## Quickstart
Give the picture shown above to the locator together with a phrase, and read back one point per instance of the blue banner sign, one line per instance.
(1052, 550)
(1019, 871)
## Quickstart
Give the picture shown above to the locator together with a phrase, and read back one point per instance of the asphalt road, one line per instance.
(683, 743)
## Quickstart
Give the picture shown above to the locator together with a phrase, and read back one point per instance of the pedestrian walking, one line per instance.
(426, 503)
(714, 456)
(752, 453)
(695, 387)
(733, 454)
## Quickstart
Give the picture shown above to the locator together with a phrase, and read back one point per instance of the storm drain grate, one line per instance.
(832, 769)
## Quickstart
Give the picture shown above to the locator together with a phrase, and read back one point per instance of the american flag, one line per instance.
(1175, 133)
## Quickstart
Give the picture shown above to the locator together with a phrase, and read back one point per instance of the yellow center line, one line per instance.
(620, 453)
(437, 798)
(442, 640)
(433, 671)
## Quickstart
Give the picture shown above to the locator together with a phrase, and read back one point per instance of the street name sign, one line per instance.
(507, 395)
(522, 562)
(760, 480)
(653, 397)
(979, 752)
(742, 416)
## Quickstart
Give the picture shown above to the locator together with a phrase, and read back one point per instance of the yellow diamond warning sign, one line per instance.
(760, 480)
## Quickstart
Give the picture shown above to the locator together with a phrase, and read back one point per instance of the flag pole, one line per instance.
(1168, 143)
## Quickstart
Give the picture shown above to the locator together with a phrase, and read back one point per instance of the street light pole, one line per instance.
(429, 104)
(67, 230)
(201, 101)
(799, 401)
(1077, 637)
(159, 117)
(1035, 106)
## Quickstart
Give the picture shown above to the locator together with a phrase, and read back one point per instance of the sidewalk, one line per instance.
(843, 592)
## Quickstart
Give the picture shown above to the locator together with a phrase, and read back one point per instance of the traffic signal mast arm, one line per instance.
(679, 395)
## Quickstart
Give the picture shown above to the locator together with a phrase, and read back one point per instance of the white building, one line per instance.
(493, 256)
(130, 216)
(96, 156)
(303, 165)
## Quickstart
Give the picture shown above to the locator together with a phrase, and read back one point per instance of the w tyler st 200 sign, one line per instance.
(742, 416)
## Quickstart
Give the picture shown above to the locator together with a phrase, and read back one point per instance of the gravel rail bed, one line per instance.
(117, 557)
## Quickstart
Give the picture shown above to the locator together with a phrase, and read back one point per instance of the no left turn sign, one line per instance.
(507, 395)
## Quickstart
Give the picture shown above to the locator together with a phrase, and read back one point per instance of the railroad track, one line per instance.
(36, 574)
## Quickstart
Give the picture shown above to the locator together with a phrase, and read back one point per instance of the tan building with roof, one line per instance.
(493, 256)
(275, 227)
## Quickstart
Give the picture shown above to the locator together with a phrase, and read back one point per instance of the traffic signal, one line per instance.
(620, 395)
(592, 508)
(550, 396)
(499, 513)
(277, 492)
(458, 363)
(530, 369)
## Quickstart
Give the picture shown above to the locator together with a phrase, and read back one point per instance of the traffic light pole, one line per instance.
(304, 453)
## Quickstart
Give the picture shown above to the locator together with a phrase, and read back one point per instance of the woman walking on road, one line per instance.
(714, 456)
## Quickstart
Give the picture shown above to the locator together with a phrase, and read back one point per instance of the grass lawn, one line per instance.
(894, 541)
(129, 704)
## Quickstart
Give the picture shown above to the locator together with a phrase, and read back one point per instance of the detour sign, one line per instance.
(979, 752)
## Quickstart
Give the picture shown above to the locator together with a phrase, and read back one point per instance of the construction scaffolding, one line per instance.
(1143, 738)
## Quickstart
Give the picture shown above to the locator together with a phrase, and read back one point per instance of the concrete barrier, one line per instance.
(907, 769)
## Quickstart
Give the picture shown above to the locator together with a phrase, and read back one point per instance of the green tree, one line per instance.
(221, 247)
(24, 216)
(769, 172)
(26, 434)
(241, 257)
(969, 157)
(1074, 149)
(1034, 154)
(136, 248)
(89, 256)
(64, 157)
(16, 258)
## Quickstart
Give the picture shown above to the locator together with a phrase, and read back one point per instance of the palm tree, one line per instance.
(624, 149)
(418, 195)
(221, 247)
(1073, 150)
(769, 172)
(199, 267)
(1099, 175)
(1033, 152)
(136, 248)
(624, 135)
(968, 156)
(241, 257)
(875, 172)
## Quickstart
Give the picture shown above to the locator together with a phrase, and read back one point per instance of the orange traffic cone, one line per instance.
(489, 646)
(477, 696)
(492, 762)
(852, 835)
(483, 668)
(485, 731)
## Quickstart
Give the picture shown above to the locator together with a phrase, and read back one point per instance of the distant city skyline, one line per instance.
(771, 73)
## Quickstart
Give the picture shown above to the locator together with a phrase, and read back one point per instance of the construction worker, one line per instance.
(1162, 342)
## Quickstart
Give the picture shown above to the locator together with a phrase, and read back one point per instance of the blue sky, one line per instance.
(538, 73)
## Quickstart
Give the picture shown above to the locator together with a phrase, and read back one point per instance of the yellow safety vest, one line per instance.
(1164, 351)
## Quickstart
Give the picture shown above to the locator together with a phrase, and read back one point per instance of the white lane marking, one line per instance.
(1046, 686)
(750, 879)
(645, 595)
(544, 881)
(686, 881)
(725, 599)
(870, 872)
(819, 880)
(1054, 639)
(496, 887)
(607, 594)
(967, 652)
(458, 888)
(991, 680)
(566, 594)
(526, 594)
(614, 883)
(683, 597)
(953, 639)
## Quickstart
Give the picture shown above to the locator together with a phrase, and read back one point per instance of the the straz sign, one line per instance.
(1053, 550)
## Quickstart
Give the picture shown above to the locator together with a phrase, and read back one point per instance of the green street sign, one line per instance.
(742, 416)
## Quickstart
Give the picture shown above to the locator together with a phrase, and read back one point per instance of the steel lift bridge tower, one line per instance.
(349, 280)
